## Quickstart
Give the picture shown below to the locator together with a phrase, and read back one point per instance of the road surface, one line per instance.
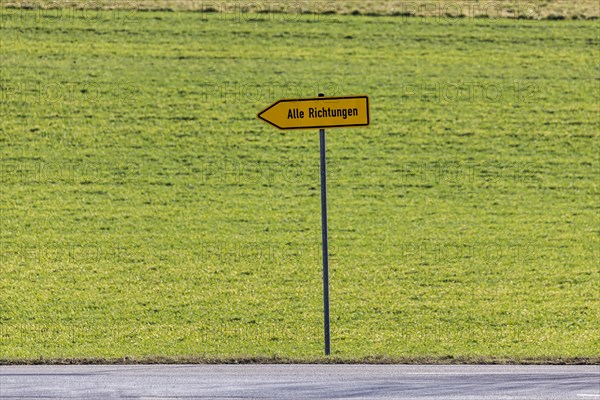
(299, 382)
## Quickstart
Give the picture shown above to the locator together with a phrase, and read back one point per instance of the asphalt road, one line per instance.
(300, 382)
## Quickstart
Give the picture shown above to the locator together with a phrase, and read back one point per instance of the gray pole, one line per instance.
(325, 244)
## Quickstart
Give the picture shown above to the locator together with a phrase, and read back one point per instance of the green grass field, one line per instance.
(146, 212)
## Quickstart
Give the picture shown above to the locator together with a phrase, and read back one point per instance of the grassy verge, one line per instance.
(144, 210)
(241, 359)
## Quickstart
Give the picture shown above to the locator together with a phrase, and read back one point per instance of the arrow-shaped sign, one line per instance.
(320, 112)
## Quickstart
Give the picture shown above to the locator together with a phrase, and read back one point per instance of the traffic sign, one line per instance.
(317, 113)
(322, 112)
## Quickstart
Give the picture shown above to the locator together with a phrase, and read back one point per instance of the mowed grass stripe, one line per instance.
(292, 10)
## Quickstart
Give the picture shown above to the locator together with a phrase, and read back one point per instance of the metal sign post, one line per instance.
(325, 240)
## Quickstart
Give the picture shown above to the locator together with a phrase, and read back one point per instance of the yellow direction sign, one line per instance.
(320, 112)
